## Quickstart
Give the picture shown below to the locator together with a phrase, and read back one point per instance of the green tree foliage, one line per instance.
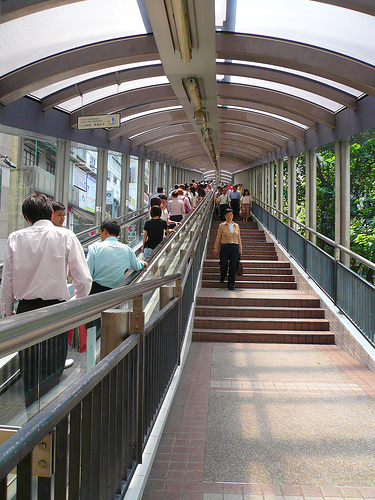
(362, 202)
(362, 206)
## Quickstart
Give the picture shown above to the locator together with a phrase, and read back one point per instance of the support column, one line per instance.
(311, 192)
(342, 198)
(124, 196)
(152, 177)
(167, 180)
(292, 188)
(140, 183)
(101, 186)
(279, 186)
(161, 180)
(62, 175)
(265, 182)
(271, 184)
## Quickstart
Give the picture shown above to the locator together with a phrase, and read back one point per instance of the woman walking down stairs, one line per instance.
(266, 305)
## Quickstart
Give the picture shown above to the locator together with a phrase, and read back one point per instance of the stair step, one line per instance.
(259, 312)
(253, 270)
(303, 324)
(251, 284)
(234, 301)
(253, 277)
(271, 336)
(252, 263)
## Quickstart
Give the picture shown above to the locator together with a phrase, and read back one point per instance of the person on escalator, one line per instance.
(108, 259)
(154, 231)
(37, 259)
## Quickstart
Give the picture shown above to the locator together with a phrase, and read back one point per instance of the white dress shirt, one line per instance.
(36, 265)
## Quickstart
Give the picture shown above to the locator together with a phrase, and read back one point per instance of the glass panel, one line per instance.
(286, 89)
(133, 177)
(146, 189)
(315, 23)
(89, 97)
(267, 114)
(331, 83)
(36, 36)
(113, 185)
(50, 89)
(82, 198)
(158, 110)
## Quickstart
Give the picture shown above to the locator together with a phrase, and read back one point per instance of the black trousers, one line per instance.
(97, 288)
(176, 218)
(235, 205)
(42, 364)
(222, 209)
(229, 255)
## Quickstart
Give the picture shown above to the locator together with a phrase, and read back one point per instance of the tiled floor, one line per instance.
(227, 422)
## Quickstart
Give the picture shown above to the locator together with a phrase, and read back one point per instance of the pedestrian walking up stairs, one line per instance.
(265, 306)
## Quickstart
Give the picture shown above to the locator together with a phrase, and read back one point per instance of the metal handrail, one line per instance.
(24, 330)
(368, 263)
(28, 437)
(134, 216)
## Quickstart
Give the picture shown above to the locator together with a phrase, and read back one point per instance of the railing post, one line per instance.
(178, 293)
(115, 329)
(137, 325)
(337, 258)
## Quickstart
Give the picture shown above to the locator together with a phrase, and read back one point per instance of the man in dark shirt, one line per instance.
(154, 231)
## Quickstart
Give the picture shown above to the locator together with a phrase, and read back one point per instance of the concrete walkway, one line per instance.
(268, 422)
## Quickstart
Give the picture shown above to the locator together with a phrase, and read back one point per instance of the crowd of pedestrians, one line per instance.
(39, 257)
(235, 197)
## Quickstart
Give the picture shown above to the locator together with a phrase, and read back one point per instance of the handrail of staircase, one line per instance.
(337, 246)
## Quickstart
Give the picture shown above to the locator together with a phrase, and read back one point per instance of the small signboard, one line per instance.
(99, 121)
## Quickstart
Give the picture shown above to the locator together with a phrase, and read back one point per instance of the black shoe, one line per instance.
(221, 280)
(231, 287)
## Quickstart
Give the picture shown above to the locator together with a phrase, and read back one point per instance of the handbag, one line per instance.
(239, 269)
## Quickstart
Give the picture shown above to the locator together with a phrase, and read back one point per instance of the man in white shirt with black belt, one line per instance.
(37, 259)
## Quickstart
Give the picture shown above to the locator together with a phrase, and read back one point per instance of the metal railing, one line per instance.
(352, 294)
(99, 426)
(91, 234)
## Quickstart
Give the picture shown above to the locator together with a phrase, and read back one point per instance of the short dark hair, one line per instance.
(163, 197)
(112, 226)
(56, 205)
(156, 200)
(37, 207)
(155, 211)
(228, 211)
(174, 194)
(159, 190)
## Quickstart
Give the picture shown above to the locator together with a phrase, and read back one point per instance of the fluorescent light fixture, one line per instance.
(193, 91)
(182, 28)
(200, 117)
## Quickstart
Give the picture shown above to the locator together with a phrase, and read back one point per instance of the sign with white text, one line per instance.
(99, 121)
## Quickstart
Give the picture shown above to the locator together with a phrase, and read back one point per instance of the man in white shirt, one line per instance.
(35, 269)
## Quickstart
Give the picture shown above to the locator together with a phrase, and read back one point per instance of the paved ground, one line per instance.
(268, 422)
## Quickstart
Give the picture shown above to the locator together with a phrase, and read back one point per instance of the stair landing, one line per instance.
(261, 298)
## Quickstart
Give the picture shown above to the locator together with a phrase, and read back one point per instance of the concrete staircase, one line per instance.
(266, 305)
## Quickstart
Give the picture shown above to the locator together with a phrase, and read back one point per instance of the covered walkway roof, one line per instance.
(204, 84)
